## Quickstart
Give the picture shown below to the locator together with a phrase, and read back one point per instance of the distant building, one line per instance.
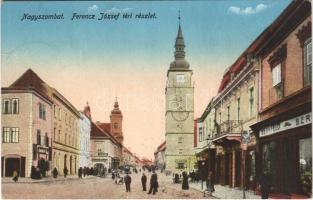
(26, 127)
(84, 138)
(159, 156)
(103, 148)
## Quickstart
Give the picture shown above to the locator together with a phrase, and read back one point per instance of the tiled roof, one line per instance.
(96, 131)
(105, 126)
(30, 80)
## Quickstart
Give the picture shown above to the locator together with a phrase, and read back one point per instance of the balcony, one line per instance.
(227, 128)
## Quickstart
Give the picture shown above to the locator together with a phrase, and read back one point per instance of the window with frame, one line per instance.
(54, 134)
(238, 109)
(46, 140)
(15, 134)
(59, 136)
(38, 137)
(54, 111)
(251, 101)
(6, 108)
(276, 75)
(6, 135)
(307, 48)
(42, 111)
(15, 106)
(60, 114)
(200, 134)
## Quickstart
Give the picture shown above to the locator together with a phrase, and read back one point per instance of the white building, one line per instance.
(84, 136)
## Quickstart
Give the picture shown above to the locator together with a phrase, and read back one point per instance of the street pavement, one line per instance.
(225, 192)
(93, 187)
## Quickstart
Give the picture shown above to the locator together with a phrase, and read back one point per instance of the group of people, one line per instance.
(127, 180)
(86, 171)
(81, 172)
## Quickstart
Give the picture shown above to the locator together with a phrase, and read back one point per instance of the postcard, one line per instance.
(156, 99)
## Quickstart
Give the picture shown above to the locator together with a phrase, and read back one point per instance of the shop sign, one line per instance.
(286, 125)
(245, 137)
(42, 150)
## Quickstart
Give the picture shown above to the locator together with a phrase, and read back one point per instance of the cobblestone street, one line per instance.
(95, 187)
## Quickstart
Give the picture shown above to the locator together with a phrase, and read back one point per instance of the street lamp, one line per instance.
(245, 139)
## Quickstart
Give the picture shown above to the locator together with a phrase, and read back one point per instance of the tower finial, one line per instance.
(179, 17)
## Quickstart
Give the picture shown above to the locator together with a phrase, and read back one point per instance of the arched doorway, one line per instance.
(71, 160)
(12, 164)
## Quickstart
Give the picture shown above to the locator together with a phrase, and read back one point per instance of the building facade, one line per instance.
(65, 134)
(284, 130)
(159, 156)
(235, 109)
(179, 112)
(26, 128)
(104, 149)
(84, 139)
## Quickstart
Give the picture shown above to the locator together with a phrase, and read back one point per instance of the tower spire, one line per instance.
(180, 43)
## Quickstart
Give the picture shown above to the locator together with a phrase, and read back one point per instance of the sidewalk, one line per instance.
(225, 192)
(6, 180)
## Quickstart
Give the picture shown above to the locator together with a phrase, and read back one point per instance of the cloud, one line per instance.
(126, 9)
(113, 10)
(247, 10)
(93, 8)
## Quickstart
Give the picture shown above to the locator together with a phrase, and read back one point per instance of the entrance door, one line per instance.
(12, 164)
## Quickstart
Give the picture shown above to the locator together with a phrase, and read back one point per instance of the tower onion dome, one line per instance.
(116, 109)
(179, 61)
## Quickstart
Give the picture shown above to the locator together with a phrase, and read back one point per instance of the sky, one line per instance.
(98, 60)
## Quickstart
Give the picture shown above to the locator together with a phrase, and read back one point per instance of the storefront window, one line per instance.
(305, 156)
(269, 159)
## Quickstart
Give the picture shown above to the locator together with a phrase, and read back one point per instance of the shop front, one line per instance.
(285, 153)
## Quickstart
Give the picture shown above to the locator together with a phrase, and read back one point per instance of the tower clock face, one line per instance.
(180, 116)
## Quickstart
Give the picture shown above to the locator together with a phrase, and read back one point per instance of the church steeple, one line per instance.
(179, 62)
(180, 43)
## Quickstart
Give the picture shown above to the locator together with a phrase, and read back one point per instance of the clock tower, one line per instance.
(179, 125)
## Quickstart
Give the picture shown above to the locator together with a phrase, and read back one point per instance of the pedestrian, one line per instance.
(65, 171)
(153, 183)
(85, 171)
(113, 176)
(265, 185)
(15, 176)
(80, 172)
(55, 173)
(127, 180)
(209, 182)
(185, 185)
(144, 182)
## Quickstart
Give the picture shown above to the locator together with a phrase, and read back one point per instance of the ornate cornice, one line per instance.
(279, 55)
(304, 33)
